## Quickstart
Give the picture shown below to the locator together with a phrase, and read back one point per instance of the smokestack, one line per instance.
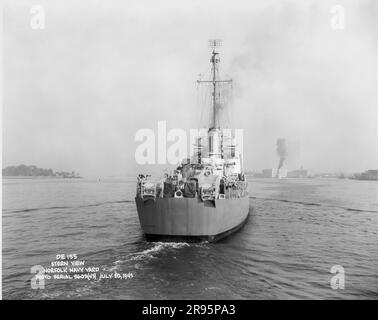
(281, 152)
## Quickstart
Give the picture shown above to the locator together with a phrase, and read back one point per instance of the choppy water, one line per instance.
(298, 230)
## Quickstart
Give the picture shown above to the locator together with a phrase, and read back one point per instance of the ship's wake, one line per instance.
(157, 248)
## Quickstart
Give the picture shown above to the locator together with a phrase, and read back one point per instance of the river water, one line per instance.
(298, 230)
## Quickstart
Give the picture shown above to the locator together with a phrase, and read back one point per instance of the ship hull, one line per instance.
(190, 219)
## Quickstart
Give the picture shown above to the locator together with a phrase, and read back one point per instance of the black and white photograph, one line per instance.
(208, 151)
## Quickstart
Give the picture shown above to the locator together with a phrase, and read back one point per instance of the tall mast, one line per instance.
(214, 62)
(214, 81)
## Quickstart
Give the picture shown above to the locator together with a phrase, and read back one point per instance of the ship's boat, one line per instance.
(206, 197)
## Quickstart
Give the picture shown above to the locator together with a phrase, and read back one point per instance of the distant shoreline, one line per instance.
(29, 172)
(39, 177)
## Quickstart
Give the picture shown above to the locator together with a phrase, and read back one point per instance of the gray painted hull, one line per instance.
(190, 219)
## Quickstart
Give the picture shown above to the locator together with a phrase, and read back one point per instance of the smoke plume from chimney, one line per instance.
(281, 152)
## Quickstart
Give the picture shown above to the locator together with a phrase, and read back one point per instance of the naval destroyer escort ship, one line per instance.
(206, 197)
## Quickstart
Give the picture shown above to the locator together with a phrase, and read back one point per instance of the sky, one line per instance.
(76, 92)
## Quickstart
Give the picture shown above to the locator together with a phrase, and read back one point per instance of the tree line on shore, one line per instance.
(34, 171)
